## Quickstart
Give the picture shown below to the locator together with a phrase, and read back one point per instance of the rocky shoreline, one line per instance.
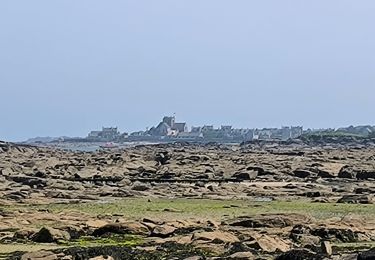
(259, 200)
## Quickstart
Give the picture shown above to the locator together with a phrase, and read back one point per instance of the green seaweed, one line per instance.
(113, 240)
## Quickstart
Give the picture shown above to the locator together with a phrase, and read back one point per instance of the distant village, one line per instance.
(170, 130)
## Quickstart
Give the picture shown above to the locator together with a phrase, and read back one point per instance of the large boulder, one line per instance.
(245, 175)
(299, 254)
(162, 158)
(340, 234)
(269, 220)
(215, 237)
(74, 231)
(258, 169)
(133, 228)
(163, 231)
(138, 186)
(301, 173)
(29, 181)
(301, 234)
(268, 244)
(347, 172)
(357, 199)
(326, 174)
(367, 255)
(40, 255)
(242, 255)
(96, 223)
(24, 234)
(50, 235)
(365, 175)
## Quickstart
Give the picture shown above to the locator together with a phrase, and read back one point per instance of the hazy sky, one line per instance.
(68, 66)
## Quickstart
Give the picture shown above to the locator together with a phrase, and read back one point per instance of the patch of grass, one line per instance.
(350, 247)
(113, 240)
(214, 209)
(321, 210)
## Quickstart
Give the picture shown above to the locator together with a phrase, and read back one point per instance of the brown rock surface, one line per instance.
(260, 175)
(40, 255)
(215, 236)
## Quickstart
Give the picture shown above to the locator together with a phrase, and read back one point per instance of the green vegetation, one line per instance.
(113, 240)
(213, 209)
(137, 208)
(350, 247)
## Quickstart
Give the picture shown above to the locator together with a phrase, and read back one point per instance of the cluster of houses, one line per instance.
(107, 134)
(169, 129)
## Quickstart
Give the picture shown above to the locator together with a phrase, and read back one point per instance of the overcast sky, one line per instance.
(68, 67)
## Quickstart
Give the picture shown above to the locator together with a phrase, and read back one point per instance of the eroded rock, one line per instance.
(50, 235)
